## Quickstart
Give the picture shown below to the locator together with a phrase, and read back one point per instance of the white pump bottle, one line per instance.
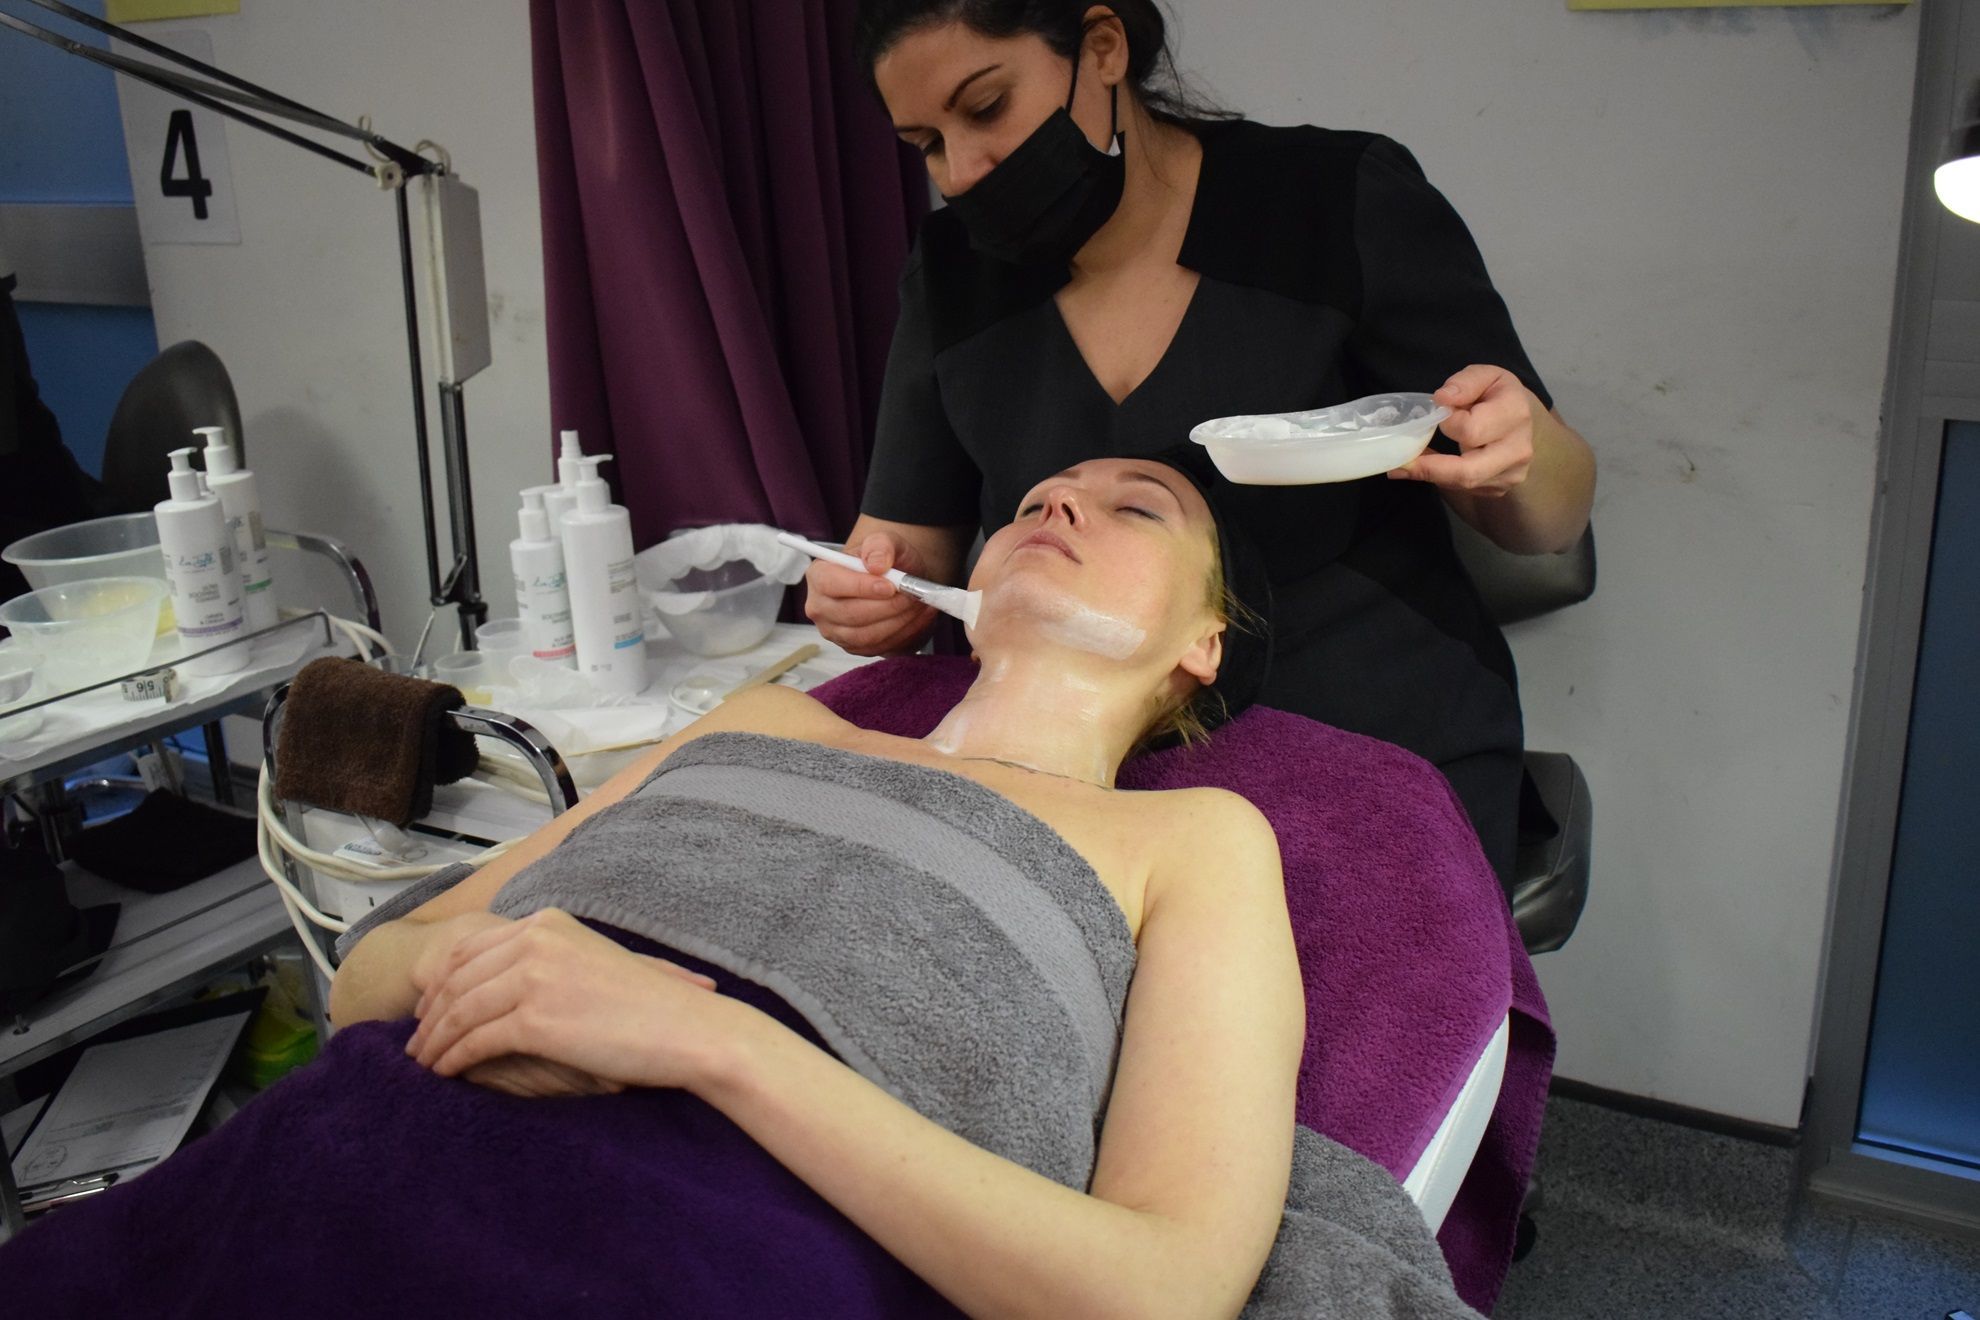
(199, 564)
(605, 608)
(241, 503)
(543, 598)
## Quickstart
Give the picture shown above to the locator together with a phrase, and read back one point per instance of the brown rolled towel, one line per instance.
(374, 744)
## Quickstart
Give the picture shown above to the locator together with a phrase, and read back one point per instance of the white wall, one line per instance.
(306, 311)
(1695, 220)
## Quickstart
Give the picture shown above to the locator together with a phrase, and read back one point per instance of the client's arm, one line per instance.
(1194, 1157)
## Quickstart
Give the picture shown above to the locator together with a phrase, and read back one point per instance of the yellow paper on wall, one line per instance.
(143, 11)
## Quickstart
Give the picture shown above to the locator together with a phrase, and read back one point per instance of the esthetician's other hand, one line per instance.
(1492, 420)
(863, 612)
(549, 987)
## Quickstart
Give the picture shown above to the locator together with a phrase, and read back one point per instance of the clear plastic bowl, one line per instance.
(89, 631)
(1346, 442)
(19, 684)
(734, 606)
(123, 546)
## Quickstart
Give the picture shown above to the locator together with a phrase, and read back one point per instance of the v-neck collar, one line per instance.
(1188, 257)
(1169, 350)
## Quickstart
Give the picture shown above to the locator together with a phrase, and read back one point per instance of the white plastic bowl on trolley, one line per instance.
(1346, 442)
(122, 546)
(88, 631)
(19, 685)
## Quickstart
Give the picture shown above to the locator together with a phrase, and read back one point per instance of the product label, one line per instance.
(251, 552)
(368, 852)
(206, 598)
(628, 629)
(545, 610)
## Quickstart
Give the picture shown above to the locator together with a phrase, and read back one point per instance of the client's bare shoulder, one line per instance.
(780, 712)
(1209, 836)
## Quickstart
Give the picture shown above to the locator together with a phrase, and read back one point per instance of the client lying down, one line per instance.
(792, 1018)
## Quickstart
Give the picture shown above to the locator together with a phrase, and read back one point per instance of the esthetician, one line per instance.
(1117, 264)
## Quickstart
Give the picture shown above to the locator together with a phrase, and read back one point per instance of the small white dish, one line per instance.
(1346, 442)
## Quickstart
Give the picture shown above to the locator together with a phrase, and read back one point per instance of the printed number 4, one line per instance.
(195, 185)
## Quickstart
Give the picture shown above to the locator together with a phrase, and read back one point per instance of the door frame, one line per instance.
(1933, 379)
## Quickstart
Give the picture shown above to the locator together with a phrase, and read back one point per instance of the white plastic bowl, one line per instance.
(89, 631)
(1343, 443)
(123, 546)
(731, 607)
(19, 684)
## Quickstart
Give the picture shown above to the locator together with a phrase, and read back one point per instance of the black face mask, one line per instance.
(1041, 203)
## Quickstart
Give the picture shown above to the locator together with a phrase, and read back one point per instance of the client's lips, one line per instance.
(1046, 540)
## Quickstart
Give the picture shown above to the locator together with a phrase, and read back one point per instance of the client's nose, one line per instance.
(1061, 502)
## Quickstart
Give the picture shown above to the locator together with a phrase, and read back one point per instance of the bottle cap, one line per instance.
(570, 459)
(220, 459)
(183, 481)
(534, 519)
(593, 495)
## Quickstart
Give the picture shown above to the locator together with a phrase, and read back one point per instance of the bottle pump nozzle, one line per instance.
(183, 481)
(570, 460)
(534, 520)
(221, 460)
(593, 495)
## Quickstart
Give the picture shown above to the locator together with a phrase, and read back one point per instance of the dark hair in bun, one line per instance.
(1062, 25)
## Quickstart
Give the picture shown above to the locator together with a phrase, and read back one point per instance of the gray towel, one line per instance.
(952, 948)
(947, 944)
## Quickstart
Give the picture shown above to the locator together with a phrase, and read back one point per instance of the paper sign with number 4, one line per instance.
(178, 153)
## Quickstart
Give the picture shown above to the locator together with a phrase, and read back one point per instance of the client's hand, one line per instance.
(439, 955)
(550, 987)
(534, 1078)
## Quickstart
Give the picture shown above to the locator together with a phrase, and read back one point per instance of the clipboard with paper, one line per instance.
(128, 1103)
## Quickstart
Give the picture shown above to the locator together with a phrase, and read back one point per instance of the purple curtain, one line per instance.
(725, 215)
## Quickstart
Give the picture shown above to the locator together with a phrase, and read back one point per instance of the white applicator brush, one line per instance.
(953, 601)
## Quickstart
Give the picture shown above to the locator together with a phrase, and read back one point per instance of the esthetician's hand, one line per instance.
(550, 987)
(1492, 420)
(863, 612)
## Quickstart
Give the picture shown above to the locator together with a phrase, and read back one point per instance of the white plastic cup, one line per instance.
(470, 671)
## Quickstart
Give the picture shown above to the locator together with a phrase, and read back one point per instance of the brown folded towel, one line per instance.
(358, 740)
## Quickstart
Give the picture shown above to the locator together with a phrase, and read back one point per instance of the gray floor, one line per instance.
(1643, 1218)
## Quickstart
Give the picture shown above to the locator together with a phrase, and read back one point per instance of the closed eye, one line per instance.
(988, 113)
(1030, 508)
(1149, 514)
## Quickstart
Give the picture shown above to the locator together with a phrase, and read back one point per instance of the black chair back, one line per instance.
(1521, 587)
(1550, 873)
(184, 386)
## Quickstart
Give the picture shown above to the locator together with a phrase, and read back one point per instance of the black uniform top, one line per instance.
(1329, 269)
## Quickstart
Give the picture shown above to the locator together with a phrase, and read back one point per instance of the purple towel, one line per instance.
(1410, 957)
(364, 1185)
